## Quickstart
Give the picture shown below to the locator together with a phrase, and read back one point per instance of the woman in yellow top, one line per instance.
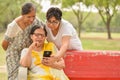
(32, 58)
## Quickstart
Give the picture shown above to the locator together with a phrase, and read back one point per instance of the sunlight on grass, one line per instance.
(99, 35)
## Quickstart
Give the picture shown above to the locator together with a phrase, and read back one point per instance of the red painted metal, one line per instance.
(92, 65)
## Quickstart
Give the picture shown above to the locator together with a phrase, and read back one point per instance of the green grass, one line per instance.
(2, 52)
(99, 41)
(98, 44)
(3, 76)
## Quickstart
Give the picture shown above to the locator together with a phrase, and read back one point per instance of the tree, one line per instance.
(78, 12)
(107, 9)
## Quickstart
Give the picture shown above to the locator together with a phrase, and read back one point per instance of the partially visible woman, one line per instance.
(61, 32)
(33, 59)
(17, 37)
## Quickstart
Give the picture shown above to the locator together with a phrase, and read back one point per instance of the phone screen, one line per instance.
(47, 53)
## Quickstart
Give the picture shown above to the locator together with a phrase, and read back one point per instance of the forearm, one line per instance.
(26, 60)
(62, 51)
(58, 65)
(5, 44)
(64, 46)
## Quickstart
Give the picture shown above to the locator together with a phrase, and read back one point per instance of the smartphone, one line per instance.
(47, 53)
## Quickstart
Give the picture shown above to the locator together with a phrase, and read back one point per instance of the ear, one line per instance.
(31, 36)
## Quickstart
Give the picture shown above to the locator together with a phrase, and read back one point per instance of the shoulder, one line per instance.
(66, 25)
(67, 28)
(24, 50)
(65, 22)
(12, 29)
(12, 24)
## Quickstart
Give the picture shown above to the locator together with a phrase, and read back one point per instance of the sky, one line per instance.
(46, 5)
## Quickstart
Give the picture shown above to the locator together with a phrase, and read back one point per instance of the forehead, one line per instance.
(53, 18)
(39, 30)
(32, 13)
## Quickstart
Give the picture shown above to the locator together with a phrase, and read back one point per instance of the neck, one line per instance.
(39, 48)
(20, 21)
(55, 31)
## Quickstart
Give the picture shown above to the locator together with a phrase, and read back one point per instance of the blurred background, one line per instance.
(96, 21)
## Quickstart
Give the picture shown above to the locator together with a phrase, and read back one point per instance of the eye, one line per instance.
(38, 34)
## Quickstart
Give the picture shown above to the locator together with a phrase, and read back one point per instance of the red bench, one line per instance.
(92, 65)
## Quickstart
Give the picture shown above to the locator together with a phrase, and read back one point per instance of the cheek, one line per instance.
(49, 26)
(33, 38)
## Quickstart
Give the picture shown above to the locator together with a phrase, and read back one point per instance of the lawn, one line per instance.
(90, 41)
(99, 41)
(3, 75)
(2, 52)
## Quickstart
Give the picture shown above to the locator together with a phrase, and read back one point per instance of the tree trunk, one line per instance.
(79, 29)
(79, 26)
(108, 29)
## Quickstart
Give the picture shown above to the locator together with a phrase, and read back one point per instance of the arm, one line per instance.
(57, 64)
(5, 44)
(48, 61)
(8, 36)
(64, 47)
(25, 61)
(61, 52)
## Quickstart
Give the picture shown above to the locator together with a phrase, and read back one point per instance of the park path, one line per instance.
(3, 69)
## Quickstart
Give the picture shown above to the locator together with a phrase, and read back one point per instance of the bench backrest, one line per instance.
(90, 65)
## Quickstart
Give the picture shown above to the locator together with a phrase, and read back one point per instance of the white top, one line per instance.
(12, 29)
(66, 29)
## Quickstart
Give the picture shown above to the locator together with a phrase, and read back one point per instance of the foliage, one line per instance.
(78, 12)
(10, 11)
(107, 9)
(116, 21)
(93, 23)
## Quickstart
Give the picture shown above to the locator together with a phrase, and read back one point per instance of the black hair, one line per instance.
(27, 8)
(54, 11)
(38, 27)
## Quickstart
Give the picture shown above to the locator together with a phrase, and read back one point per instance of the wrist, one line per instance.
(57, 57)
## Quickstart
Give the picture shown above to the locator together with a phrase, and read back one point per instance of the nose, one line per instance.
(31, 19)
